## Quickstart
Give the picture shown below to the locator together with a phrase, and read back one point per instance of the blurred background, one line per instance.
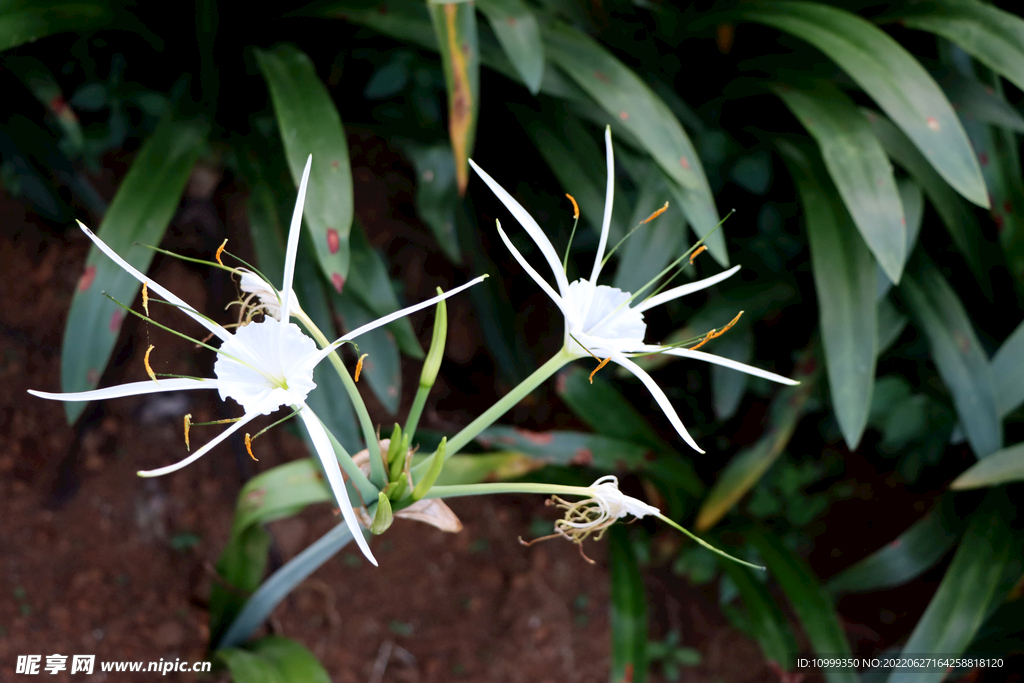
(866, 156)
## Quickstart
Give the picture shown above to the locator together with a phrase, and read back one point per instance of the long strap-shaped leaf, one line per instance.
(138, 215)
(516, 28)
(309, 124)
(845, 281)
(889, 74)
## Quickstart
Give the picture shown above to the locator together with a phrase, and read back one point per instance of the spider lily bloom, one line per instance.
(602, 321)
(263, 366)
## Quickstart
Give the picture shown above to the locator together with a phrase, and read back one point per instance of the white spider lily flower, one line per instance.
(263, 366)
(602, 505)
(600, 320)
(254, 286)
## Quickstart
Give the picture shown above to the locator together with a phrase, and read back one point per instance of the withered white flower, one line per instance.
(602, 321)
(263, 366)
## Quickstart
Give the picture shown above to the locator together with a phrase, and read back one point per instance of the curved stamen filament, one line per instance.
(714, 334)
(603, 363)
(576, 221)
(248, 447)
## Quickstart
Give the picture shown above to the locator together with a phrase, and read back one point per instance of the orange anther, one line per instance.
(714, 334)
(145, 298)
(188, 424)
(248, 446)
(359, 365)
(655, 214)
(220, 250)
(145, 361)
(697, 253)
(575, 207)
(603, 363)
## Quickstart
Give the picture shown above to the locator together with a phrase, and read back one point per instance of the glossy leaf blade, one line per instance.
(845, 282)
(309, 124)
(746, 467)
(958, 354)
(993, 36)
(382, 367)
(25, 22)
(437, 193)
(273, 659)
(906, 557)
(811, 602)
(627, 612)
(567, 448)
(516, 28)
(1008, 373)
(967, 591)
(890, 75)
(1001, 467)
(765, 622)
(455, 28)
(139, 214)
(858, 166)
(629, 100)
(279, 492)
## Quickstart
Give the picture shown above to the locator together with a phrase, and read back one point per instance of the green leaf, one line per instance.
(728, 386)
(811, 602)
(373, 289)
(845, 282)
(309, 124)
(967, 591)
(273, 659)
(956, 215)
(278, 493)
(763, 621)
(890, 75)
(437, 193)
(993, 36)
(958, 354)
(241, 567)
(382, 367)
(475, 468)
(906, 557)
(973, 100)
(631, 102)
(567, 448)
(1001, 467)
(859, 168)
(1008, 373)
(138, 215)
(627, 612)
(24, 21)
(517, 31)
(455, 28)
(747, 467)
(891, 324)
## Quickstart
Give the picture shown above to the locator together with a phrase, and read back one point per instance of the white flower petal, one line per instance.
(608, 197)
(660, 397)
(131, 389)
(532, 272)
(266, 365)
(293, 243)
(600, 318)
(154, 286)
(322, 444)
(530, 225)
(251, 283)
(246, 419)
(617, 503)
(725, 362)
(683, 290)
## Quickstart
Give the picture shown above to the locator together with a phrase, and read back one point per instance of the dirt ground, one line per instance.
(97, 561)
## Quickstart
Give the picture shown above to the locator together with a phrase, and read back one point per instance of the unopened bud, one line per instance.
(383, 517)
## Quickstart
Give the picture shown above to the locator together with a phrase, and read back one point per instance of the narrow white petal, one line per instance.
(391, 317)
(683, 290)
(608, 197)
(322, 444)
(660, 397)
(532, 272)
(725, 362)
(293, 244)
(530, 225)
(155, 287)
(246, 419)
(130, 389)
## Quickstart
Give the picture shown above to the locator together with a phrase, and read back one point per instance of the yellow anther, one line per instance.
(714, 334)
(188, 425)
(655, 214)
(359, 365)
(697, 253)
(248, 446)
(575, 207)
(220, 250)
(145, 361)
(145, 298)
(603, 363)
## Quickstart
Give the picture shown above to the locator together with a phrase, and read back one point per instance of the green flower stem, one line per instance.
(377, 475)
(366, 490)
(416, 411)
(504, 404)
(706, 544)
